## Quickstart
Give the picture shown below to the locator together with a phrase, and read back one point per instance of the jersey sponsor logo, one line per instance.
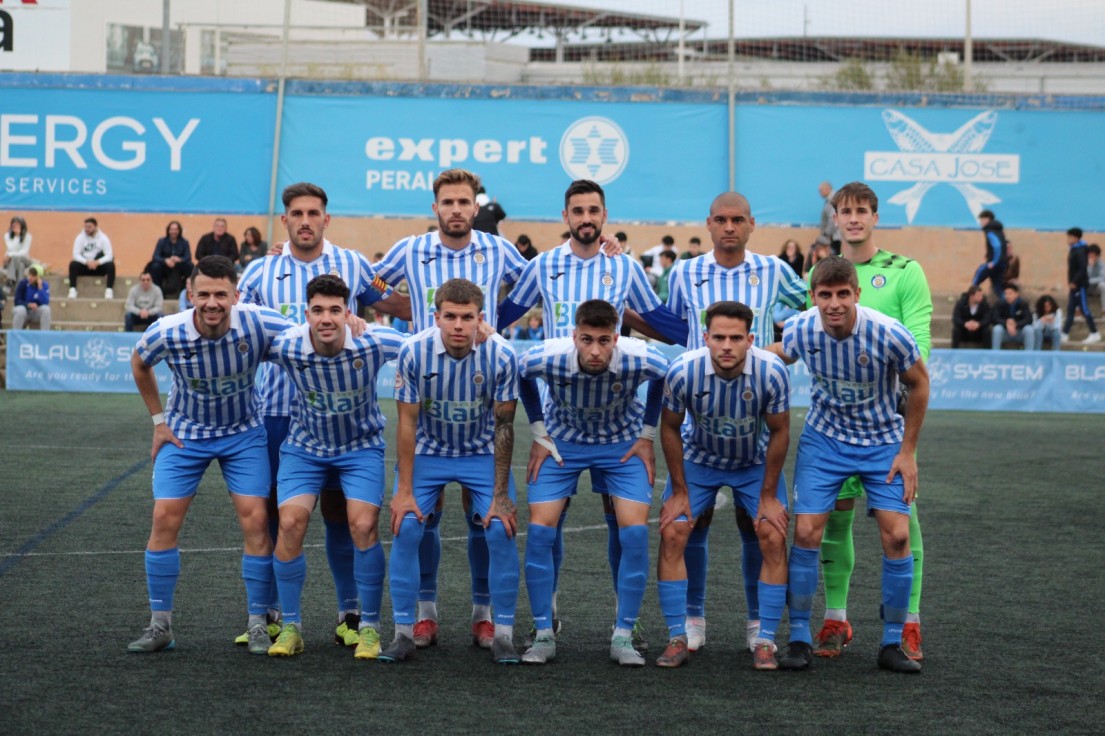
(564, 314)
(594, 148)
(338, 402)
(848, 391)
(454, 412)
(222, 385)
(929, 159)
(296, 313)
(726, 427)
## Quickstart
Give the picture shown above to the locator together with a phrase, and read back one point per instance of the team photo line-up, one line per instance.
(275, 377)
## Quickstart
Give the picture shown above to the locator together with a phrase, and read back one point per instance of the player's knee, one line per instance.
(364, 531)
(673, 538)
(773, 544)
(896, 544)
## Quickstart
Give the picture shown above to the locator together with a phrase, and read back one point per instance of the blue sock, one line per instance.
(259, 578)
(897, 580)
(673, 604)
(697, 558)
(478, 563)
(632, 573)
(558, 549)
(368, 571)
(802, 573)
(503, 572)
(751, 562)
(403, 564)
(339, 553)
(539, 573)
(290, 577)
(613, 547)
(429, 557)
(773, 599)
(274, 531)
(162, 571)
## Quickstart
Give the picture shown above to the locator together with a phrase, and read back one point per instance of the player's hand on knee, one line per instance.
(541, 448)
(906, 465)
(401, 505)
(644, 449)
(679, 504)
(162, 436)
(773, 512)
(504, 510)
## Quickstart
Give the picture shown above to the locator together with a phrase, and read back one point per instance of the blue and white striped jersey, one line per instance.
(280, 283)
(854, 396)
(213, 380)
(759, 283)
(457, 397)
(487, 261)
(335, 408)
(563, 281)
(725, 427)
(590, 408)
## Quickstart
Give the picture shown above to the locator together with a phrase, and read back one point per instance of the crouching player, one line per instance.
(738, 399)
(856, 356)
(594, 423)
(336, 430)
(456, 403)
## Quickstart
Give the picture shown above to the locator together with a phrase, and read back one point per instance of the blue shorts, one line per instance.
(474, 472)
(359, 474)
(823, 464)
(242, 457)
(704, 482)
(628, 480)
(277, 430)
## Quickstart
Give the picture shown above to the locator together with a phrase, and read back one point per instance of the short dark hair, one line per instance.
(733, 310)
(92, 220)
(170, 225)
(327, 285)
(668, 240)
(583, 186)
(669, 254)
(696, 240)
(1075, 232)
(215, 267)
(833, 270)
(1094, 248)
(988, 214)
(457, 176)
(303, 189)
(458, 291)
(973, 289)
(523, 239)
(857, 192)
(597, 313)
(620, 236)
(1011, 285)
(32, 271)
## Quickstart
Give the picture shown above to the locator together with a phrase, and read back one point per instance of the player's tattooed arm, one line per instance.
(502, 508)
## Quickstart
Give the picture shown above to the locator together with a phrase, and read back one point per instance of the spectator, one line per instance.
(92, 256)
(1078, 281)
(791, 254)
(252, 247)
(993, 267)
(971, 318)
(526, 248)
(17, 247)
(828, 234)
(623, 241)
(1095, 271)
(667, 262)
(817, 252)
(694, 249)
(1012, 321)
(32, 301)
(489, 215)
(1047, 322)
(145, 303)
(780, 313)
(172, 260)
(377, 257)
(218, 242)
(1012, 265)
(533, 329)
(650, 259)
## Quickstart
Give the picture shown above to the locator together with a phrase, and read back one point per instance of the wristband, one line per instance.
(648, 433)
(549, 445)
(158, 418)
(537, 429)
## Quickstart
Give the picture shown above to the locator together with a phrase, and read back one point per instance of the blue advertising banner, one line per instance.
(75, 362)
(380, 155)
(120, 150)
(929, 166)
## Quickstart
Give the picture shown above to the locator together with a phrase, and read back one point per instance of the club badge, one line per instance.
(607, 279)
(243, 347)
(878, 281)
(479, 258)
(478, 379)
(863, 359)
(358, 364)
(754, 280)
(616, 387)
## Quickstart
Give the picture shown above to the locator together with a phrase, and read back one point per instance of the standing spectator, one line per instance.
(218, 242)
(145, 303)
(993, 267)
(17, 245)
(525, 247)
(1078, 281)
(828, 233)
(92, 256)
(489, 215)
(32, 301)
(971, 318)
(252, 247)
(172, 260)
(1095, 270)
(791, 254)
(377, 257)
(1012, 321)
(667, 262)
(650, 259)
(1047, 322)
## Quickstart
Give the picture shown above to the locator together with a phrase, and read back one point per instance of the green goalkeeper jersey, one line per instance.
(897, 287)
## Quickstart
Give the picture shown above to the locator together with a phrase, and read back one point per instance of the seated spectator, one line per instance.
(17, 250)
(172, 260)
(145, 303)
(667, 263)
(218, 242)
(817, 252)
(694, 249)
(534, 329)
(32, 301)
(1012, 321)
(971, 318)
(253, 247)
(1048, 322)
(526, 248)
(791, 254)
(1095, 270)
(92, 256)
